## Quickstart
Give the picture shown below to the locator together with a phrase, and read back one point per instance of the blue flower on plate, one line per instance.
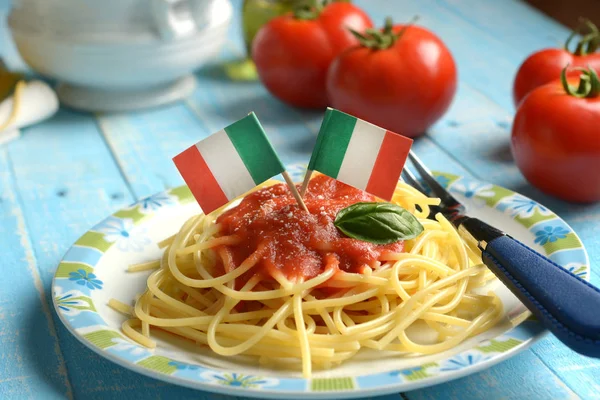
(124, 234)
(181, 366)
(154, 202)
(474, 192)
(462, 361)
(83, 278)
(239, 380)
(550, 234)
(471, 189)
(524, 207)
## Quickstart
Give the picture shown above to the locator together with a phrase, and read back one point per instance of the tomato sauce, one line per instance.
(299, 244)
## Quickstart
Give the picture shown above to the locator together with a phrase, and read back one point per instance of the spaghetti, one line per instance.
(266, 280)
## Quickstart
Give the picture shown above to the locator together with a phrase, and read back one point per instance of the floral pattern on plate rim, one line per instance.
(126, 235)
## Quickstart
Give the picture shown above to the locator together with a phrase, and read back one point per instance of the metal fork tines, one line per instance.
(471, 229)
(433, 186)
(451, 208)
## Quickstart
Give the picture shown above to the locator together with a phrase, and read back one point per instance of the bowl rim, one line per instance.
(127, 41)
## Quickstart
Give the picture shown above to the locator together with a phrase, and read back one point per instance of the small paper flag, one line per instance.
(228, 163)
(359, 153)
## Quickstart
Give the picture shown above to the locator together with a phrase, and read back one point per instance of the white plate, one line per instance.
(94, 270)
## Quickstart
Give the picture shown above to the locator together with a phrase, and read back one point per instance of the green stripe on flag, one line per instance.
(254, 148)
(332, 142)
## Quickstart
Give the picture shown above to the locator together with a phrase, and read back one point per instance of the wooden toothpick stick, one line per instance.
(305, 183)
(294, 191)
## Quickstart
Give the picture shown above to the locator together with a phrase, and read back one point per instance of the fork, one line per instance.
(565, 304)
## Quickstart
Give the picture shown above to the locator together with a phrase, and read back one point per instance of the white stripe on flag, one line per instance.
(225, 164)
(361, 154)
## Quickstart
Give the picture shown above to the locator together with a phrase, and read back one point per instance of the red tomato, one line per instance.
(556, 141)
(404, 85)
(546, 65)
(292, 55)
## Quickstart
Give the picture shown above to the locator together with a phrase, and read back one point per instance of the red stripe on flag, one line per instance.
(388, 165)
(200, 180)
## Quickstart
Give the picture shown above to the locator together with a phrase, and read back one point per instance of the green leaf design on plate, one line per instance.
(132, 213)
(182, 193)
(158, 363)
(499, 194)
(103, 338)
(331, 384)
(90, 304)
(71, 302)
(582, 269)
(95, 240)
(496, 346)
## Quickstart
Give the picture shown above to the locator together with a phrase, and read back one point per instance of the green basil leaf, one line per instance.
(379, 223)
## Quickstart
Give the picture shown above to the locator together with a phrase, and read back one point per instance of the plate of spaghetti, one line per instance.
(262, 299)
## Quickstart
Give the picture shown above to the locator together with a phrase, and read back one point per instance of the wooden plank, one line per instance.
(144, 143)
(576, 371)
(67, 180)
(522, 26)
(62, 173)
(26, 319)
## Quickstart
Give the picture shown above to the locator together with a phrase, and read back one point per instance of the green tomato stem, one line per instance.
(310, 9)
(589, 83)
(382, 39)
(590, 38)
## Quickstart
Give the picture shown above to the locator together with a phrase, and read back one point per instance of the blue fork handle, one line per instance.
(565, 304)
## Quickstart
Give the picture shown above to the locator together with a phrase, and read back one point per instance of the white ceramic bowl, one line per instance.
(116, 71)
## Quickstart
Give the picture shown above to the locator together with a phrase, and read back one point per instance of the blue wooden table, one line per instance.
(67, 173)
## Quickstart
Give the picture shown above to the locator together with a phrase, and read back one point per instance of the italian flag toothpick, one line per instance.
(229, 163)
(358, 153)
